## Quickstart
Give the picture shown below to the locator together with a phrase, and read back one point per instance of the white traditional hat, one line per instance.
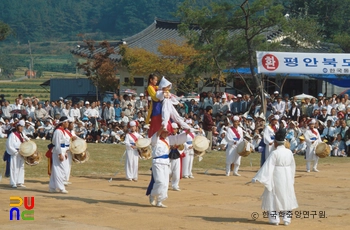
(312, 121)
(21, 123)
(143, 142)
(78, 146)
(239, 95)
(174, 125)
(132, 123)
(141, 95)
(275, 117)
(164, 83)
(224, 95)
(146, 126)
(27, 148)
(276, 92)
(236, 118)
(86, 102)
(200, 143)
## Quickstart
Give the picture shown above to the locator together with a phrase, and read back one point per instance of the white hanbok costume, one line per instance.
(160, 164)
(131, 156)
(269, 137)
(277, 175)
(68, 161)
(17, 162)
(311, 139)
(168, 109)
(187, 161)
(59, 168)
(232, 156)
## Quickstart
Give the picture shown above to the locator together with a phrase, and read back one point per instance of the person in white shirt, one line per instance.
(2, 129)
(161, 142)
(279, 106)
(30, 109)
(15, 139)
(75, 112)
(131, 153)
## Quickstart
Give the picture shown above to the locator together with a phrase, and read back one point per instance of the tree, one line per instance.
(100, 68)
(5, 30)
(230, 33)
(172, 62)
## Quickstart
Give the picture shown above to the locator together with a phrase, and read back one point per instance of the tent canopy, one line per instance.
(338, 80)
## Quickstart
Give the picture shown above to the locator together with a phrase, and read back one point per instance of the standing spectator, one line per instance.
(109, 112)
(30, 110)
(224, 105)
(6, 109)
(117, 112)
(75, 112)
(294, 112)
(208, 124)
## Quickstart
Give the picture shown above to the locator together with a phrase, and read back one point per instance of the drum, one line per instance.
(33, 159)
(200, 144)
(78, 146)
(81, 158)
(144, 147)
(30, 153)
(322, 150)
(243, 148)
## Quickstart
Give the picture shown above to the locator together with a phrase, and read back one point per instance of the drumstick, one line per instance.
(121, 160)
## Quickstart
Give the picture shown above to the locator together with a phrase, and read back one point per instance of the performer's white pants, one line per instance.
(58, 173)
(131, 164)
(16, 170)
(169, 111)
(174, 172)
(187, 163)
(68, 165)
(161, 181)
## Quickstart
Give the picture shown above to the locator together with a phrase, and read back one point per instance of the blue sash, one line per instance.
(272, 138)
(189, 142)
(165, 156)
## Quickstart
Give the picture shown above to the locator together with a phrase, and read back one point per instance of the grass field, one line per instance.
(106, 159)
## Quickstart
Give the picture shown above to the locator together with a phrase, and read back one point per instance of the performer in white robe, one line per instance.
(312, 138)
(168, 102)
(70, 135)
(187, 161)
(132, 154)
(175, 162)
(277, 175)
(234, 135)
(161, 142)
(59, 155)
(15, 139)
(269, 135)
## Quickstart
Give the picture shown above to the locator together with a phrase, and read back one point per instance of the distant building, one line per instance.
(30, 74)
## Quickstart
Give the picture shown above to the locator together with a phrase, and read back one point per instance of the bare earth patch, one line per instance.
(210, 201)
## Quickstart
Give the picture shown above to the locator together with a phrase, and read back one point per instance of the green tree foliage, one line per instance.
(230, 33)
(5, 30)
(54, 20)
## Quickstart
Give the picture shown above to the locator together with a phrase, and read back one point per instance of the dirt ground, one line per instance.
(210, 201)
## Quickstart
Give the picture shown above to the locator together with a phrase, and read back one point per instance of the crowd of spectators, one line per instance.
(107, 122)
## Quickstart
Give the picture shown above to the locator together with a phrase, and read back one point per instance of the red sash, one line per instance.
(133, 137)
(313, 131)
(274, 128)
(19, 136)
(166, 143)
(191, 134)
(236, 132)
